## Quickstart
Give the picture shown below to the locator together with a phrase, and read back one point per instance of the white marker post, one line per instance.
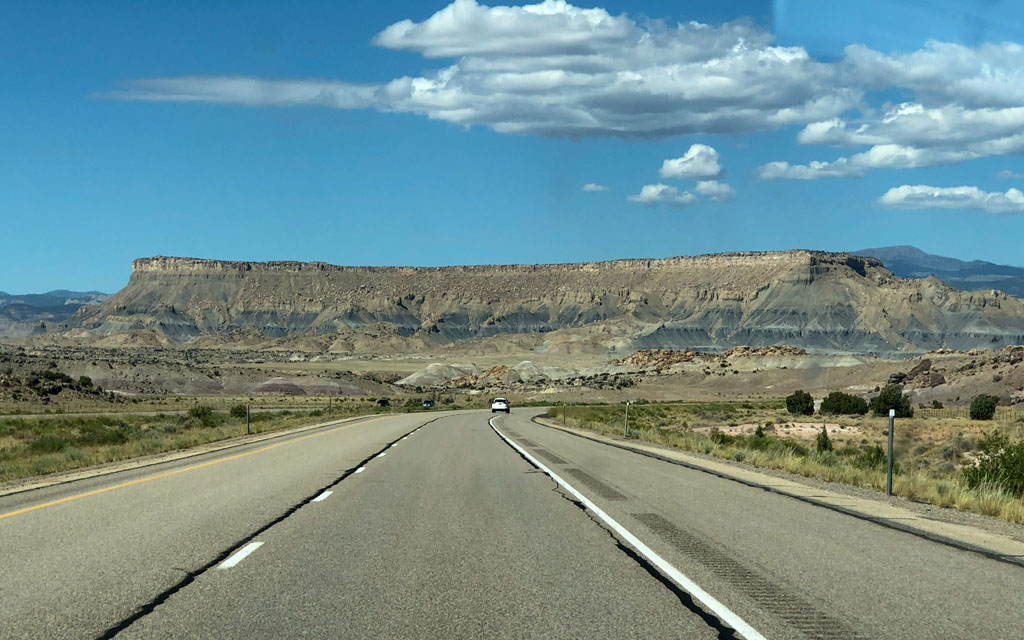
(626, 431)
(888, 481)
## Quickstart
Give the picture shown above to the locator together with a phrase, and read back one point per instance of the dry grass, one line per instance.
(36, 446)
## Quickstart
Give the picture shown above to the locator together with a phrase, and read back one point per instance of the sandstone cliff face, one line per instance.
(807, 299)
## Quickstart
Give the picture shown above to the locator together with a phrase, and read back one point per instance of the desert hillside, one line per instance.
(814, 300)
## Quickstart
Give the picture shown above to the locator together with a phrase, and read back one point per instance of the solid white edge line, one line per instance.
(360, 469)
(689, 586)
(322, 496)
(240, 555)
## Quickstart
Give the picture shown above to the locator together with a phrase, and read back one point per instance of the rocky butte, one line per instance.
(811, 299)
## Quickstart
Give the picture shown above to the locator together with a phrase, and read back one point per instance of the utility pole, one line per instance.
(888, 481)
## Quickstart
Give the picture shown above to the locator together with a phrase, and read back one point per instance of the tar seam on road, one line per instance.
(688, 592)
(191, 576)
(166, 474)
(1017, 561)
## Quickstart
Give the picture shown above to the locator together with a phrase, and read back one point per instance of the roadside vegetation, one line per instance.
(970, 465)
(37, 446)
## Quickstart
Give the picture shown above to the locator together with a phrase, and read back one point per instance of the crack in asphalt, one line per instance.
(190, 576)
(724, 632)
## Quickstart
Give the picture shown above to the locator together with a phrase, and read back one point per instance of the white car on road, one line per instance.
(500, 404)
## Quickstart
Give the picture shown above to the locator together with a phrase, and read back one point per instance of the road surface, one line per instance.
(435, 526)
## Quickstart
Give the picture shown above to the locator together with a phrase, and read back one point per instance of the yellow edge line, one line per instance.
(177, 471)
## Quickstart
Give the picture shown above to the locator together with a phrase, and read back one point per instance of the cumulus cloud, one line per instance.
(990, 75)
(969, 104)
(591, 187)
(653, 194)
(909, 136)
(554, 69)
(717, 191)
(699, 162)
(969, 198)
(882, 156)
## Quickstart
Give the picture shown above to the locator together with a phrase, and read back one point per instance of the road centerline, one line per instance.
(240, 555)
(323, 496)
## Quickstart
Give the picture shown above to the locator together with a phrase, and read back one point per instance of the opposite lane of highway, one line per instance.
(79, 566)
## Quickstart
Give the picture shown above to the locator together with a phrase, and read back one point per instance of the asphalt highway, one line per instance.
(444, 526)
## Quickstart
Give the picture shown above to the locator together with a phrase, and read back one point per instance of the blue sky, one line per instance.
(268, 131)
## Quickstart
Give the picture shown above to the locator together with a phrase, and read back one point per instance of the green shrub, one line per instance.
(892, 397)
(873, 457)
(983, 407)
(720, 438)
(200, 412)
(84, 382)
(800, 403)
(845, 404)
(823, 442)
(1000, 463)
(238, 411)
(937, 405)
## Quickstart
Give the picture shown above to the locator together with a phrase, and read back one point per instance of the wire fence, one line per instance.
(1003, 414)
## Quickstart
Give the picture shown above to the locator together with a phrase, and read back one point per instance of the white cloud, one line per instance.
(882, 156)
(553, 69)
(699, 162)
(969, 198)
(969, 104)
(717, 191)
(1006, 173)
(591, 187)
(249, 91)
(990, 75)
(465, 28)
(652, 194)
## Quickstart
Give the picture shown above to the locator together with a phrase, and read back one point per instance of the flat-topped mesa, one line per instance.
(757, 259)
(809, 299)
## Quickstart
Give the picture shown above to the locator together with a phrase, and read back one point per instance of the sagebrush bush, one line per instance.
(1000, 463)
(200, 412)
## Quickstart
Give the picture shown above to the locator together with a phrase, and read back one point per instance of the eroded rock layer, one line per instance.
(814, 300)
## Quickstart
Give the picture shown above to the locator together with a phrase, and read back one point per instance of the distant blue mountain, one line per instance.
(911, 262)
(27, 314)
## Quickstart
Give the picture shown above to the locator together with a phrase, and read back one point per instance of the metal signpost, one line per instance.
(888, 481)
